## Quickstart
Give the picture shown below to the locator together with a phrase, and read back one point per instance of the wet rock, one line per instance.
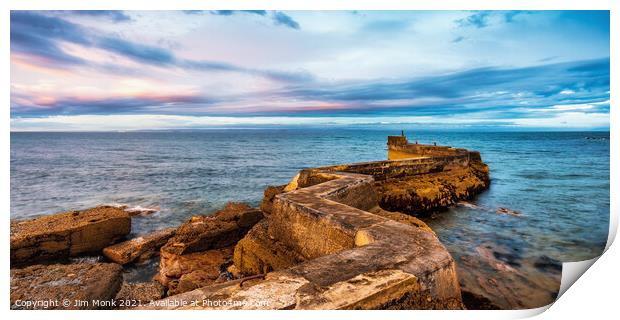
(424, 194)
(182, 273)
(259, 253)
(139, 249)
(68, 234)
(140, 211)
(57, 282)
(468, 205)
(548, 264)
(502, 210)
(133, 294)
(474, 301)
(224, 228)
(269, 194)
(500, 258)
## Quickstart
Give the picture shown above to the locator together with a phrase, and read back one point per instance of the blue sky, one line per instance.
(126, 70)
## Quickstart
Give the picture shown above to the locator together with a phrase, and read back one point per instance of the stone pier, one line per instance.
(321, 247)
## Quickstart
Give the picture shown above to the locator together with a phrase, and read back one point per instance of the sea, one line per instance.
(557, 183)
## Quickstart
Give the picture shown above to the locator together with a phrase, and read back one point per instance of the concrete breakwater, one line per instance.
(336, 237)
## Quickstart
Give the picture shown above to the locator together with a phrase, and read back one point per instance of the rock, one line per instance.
(499, 257)
(68, 234)
(140, 211)
(402, 218)
(134, 294)
(502, 210)
(54, 283)
(258, 253)
(181, 273)
(139, 249)
(468, 205)
(269, 194)
(474, 301)
(547, 264)
(424, 194)
(222, 229)
(202, 248)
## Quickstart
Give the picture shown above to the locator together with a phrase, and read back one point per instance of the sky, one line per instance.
(134, 70)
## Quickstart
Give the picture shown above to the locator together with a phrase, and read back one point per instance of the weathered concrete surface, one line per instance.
(259, 253)
(139, 249)
(56, 282)
(132, 294)
(68, 234)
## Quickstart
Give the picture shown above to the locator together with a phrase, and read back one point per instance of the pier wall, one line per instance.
(400, 148)
(353, 259)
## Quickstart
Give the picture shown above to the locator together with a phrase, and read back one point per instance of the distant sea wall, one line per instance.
(400, 148)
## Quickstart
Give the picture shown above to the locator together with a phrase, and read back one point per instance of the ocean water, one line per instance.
(558, 181)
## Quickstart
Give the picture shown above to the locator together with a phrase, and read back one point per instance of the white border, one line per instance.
(595, 295)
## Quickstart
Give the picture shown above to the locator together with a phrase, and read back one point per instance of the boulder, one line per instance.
(94, 283)
(135, 294)
(202, 248)
(68, 234)
(258, 253)
(182, 273)
(139, 249)
(222, 229)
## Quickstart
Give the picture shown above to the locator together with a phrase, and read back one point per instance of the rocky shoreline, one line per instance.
(338, 215)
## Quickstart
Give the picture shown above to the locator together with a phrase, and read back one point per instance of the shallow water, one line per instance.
(558, 181)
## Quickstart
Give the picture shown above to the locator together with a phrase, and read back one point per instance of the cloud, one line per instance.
(105, 105)
(509, 16)
(135, 51)
(499, 93)
(97, 67)
(281, 18)
(278, 17)
(470, 91)
(39, 36)
(231, 12)
(482, 19)
(478, 20)
(114, 15)
(299, 76)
